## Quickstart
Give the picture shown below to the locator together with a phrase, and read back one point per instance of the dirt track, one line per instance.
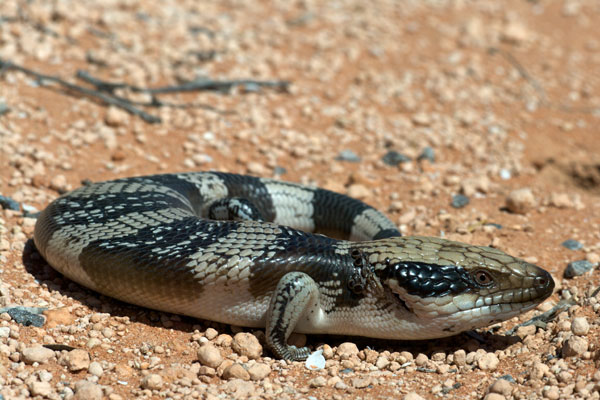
(482, 98)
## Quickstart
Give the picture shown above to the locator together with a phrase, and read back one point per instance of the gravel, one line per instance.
(394, 158)
(459, 201)
(572, 244)
(577, 268)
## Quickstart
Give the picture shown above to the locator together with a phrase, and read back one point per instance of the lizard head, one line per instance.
(440, 288)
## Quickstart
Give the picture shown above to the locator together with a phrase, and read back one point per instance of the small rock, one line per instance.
(246, 344)
(421, 360)
(494, 396)
(580, 326)
(520, 201)
(238, 389)
(572, 244)
(592, 257)
(236, 371)
(37, 354)
(27, 316)
(4, 108)
(427, 154)
(358, 191)
(382, 362)
(317, 382)
(59, 316)
(460, 358)
(488, 362)
(560, 200)
(327, 352)
(551, 393)
(152, 382)
(524, 331)
(85, 390)
(412, 396)
(538, 371)
(116, 117)
(577, 268)
(574, 346)
(95, 369)
(211, 333)
(502, 386)
(259, 371)
(77, 360)
(341, 385)
(348, 155)
(40, 388)
(360, 383)
(515, 33)
(4, 332)
(459, 201)
(60, 184)
(394, 158)
(9, 204)
(347, 350)
(210, 356)
(421, 119)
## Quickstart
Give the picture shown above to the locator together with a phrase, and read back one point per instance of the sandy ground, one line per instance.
(482, 98)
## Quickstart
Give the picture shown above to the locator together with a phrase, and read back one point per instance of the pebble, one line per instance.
(95, 369)
(494, 396)
(560, 200)
(538, 371)
(152, 382)
(59, 316)
(577, 268)
(85, 390)
(361, 382)
(116, 117)
(347, 350)
(211, 333)
(580, 326)
(9, 204)
(520, 201)
(412, 396)
(59, 183)
(4, 108)
(488, 362)
(246, 344)
(317, 382)
(427, 154)
(4, 332)
(574, 346)
(572, 244)
(210, 356)
(551, 393)
(358, 191)
(501, 386)
(37, 354)
(382, 362)
(40, 388)
(236, 371)
(77, 360)
(259, 371)
(394, 158)
(459, 201)
(27, 317)
(348, 155)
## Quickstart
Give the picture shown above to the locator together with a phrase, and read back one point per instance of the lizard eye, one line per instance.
(483, 278)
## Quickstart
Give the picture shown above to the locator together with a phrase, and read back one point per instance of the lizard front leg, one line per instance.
(296, 296)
